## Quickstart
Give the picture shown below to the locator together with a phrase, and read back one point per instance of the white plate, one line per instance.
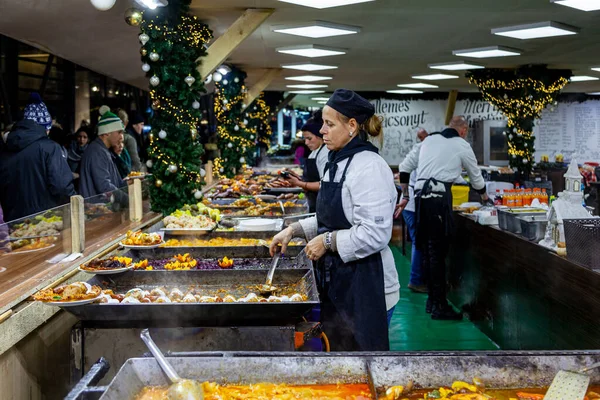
(130, 246)
(257, 225)
(28, 251)
(107, 271)
(71, 303)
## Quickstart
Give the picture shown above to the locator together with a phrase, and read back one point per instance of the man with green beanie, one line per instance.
(99, 174)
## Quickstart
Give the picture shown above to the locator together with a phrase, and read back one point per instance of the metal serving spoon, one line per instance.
(267, 289)
(180, 389)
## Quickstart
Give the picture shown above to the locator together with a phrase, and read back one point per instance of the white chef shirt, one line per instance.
(368, 198)
(321, 159)
(444, 159)
(412, 158)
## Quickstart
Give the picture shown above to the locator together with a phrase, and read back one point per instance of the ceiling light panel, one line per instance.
(320, 98)
(537, 30)
(434, 77)
(311, 51)
(488, 52)
(307, 91)
(316, 29)
(308, 78)
(308, 66)
(320, 4)
(418, 85)
(404, 91)
(597, 69)
(322, 102)
(583, 78)
(583, 5)
(307, 86)
(594, 94)
(455, 66)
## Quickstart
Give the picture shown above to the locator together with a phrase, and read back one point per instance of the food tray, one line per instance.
(199, 314)
(283, 190)
(213, 252)
(187, 231)
(508, 218)
(533, 228)
(498, 370)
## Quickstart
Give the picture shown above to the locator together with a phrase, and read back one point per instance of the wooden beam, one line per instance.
(245, 25)
(451, 105)
(255, 91)
(46, 74)
(284, 103)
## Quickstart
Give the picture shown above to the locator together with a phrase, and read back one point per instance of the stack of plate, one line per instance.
(258, 224)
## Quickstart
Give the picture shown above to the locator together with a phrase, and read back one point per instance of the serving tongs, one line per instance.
(570, 385)
(268, 289)
(180, 389)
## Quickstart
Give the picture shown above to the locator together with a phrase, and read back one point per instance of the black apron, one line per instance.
(311, 174)
(354, 312)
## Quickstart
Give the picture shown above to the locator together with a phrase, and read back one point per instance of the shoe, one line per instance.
(429, 306)
(445, 312)
(418, 288)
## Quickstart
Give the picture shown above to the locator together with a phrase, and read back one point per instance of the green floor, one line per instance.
(412, 329)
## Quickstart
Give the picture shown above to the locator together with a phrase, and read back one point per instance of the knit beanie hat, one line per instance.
(37, 111)
(109, 122)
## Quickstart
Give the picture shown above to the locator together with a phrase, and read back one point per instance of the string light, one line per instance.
(521, 99)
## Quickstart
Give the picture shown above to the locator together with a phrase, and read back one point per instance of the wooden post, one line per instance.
(451, 105)
(261, 85)
(77, 224)
(243, 27)
(135, 201)
(208, 168)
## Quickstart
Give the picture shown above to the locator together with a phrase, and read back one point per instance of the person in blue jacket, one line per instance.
(34, 173)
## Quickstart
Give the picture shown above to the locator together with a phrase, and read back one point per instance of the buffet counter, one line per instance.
(520, 294)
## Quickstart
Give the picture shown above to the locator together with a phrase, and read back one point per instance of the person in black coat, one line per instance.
(34, 174)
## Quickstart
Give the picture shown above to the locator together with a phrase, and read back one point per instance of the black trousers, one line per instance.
(433, 241)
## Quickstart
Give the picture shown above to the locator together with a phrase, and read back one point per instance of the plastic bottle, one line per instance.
(519, 198)
(510, 202)
(505, 197)
(498, 198)
(528, 197)
(544, 197)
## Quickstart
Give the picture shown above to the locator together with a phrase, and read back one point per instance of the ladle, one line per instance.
(180, 389)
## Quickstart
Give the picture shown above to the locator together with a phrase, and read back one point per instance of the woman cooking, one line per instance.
(348, 238)
(315, 164)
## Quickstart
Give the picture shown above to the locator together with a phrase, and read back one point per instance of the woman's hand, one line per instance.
(295, 181)
(282, 238)
(315, 249)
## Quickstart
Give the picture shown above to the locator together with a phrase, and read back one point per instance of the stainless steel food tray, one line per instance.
(213, 252)
(200, 314)
(499, 370)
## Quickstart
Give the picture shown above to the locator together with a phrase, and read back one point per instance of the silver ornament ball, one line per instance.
(144, 38)
(154, 81)
(145, 67)
(154, 56)
(245, 122)
(162, 134)
(190, 80)
(195, 105)
(236, 128)
(242, 160)
(198, 195)
(202, 172)
(172, 168)
(221, 170)
(236, 79)
(230, 145)
(149, 164)
(225, 82)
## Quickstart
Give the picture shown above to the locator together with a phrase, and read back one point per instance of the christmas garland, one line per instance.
(172, 44)
(521, 95)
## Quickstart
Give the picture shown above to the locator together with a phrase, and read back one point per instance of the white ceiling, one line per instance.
(399, 38)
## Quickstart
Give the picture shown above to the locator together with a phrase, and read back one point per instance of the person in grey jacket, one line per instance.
(98, 173)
